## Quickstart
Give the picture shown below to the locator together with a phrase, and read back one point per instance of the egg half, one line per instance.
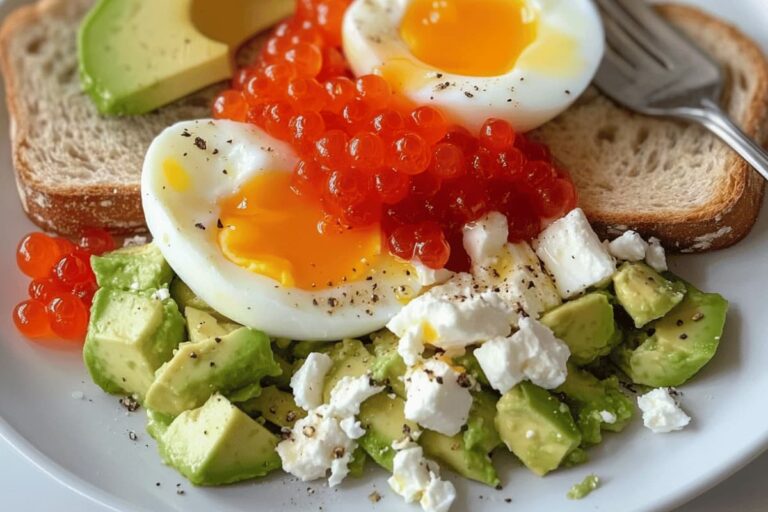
(217, 200)
(524, 61)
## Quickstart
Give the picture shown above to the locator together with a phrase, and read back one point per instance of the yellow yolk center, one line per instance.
(269, 230)
(469, 37)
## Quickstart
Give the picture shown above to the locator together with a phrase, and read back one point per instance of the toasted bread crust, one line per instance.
(730, 216)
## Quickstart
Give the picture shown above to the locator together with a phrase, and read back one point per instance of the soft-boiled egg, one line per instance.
(217, 199)
(520, 60)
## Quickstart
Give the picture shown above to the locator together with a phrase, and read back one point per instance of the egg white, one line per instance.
(219, 157)
(527, 96)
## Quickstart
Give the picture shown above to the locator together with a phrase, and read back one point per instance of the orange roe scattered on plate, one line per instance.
(370, 157)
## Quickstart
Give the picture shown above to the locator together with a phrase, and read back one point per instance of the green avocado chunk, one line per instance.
(669, 351)
(218, 444)
(388, 366)
(136, 268)
(454, 454)
(481, 434)
(596, 404)
(275, 406)
(586, 325)
(350, 359)
(129, 336)
(537, 427)
(229, 365)
(644, 293)
(185, 297)
(202, 325)
(383, 419)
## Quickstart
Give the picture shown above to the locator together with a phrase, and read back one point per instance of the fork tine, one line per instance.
(617, 11)
(623, 44)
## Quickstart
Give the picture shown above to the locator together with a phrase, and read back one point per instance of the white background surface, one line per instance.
(90, 440)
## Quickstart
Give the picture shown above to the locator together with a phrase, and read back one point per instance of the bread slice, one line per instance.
(665, 178)
(74, 168)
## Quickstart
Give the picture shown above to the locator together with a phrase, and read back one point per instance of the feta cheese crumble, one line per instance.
(307, 382)
(162, 294)
(655, 255)
(418, 479)
(608, 417)
(435, 399)
(661, 412)
(574, 255)
(350, 392)
(630, 246)
(485, 237)
(532, 353)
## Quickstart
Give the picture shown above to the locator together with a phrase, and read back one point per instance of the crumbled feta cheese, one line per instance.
(574, 255)
(430, 276)
(608, 417)
(162, 294)
(628, 247)
(350, 392)
(418, 479)
(532, 353)
(661, 413)
(135, 286)
(135, 240)
(485, 237)
(317, 444)
(307, 382)
(434, 398)
(352, 427)
(655, 255)
(452, 316)
(78, 395)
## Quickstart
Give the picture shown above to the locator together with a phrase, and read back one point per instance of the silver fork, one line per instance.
(651, 68)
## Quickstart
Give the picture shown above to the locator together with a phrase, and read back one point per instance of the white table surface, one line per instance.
(25, 488)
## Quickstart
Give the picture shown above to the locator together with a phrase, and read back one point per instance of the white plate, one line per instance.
(85, 444)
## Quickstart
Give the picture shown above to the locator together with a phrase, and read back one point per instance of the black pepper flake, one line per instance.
(219, 224)
(508, 500)
(157, 484)
(216, 151)
(439, 379)
(468, 94)
(442, 86)
(132, 435)
(651, 331)
(291, 416)
(193, 355)
(186, 133)
(683, 336)
(679, 323)
(224, 171)
(698, 317)
(285, 433)
(338, 452)
(229, 141)
(199, 225)
(567, 91)
(130, 403)
(212, 365)
(217, 339)
(463, 380)
(375, 497)
(180, 492)
(333, 302)
(439, 75)
(308, 430)
(273, 409)
(314, 302)
(200, 143)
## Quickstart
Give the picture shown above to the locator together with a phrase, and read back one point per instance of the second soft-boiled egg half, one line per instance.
(217, 200)
(520, 60)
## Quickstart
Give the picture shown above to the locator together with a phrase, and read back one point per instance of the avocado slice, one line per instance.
(586, 325)
(218, 444)
(454, 454)
(136, 268)
(129, 336)
(669, 351)
(596, 404)
(229, 364)
(275, 406)
(202, 325)
(388, 366)
(480, 434)
(644, 293)
(350, 359)
(537, 427)
(383, 419)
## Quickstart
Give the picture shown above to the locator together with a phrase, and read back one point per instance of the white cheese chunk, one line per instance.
(655, 256)
(162, 294)
(661, 413)
(434, 398)
(418, 479)
(485, 237)
(438, 495)
(630, 246)
(349, 393)
(573, 254)
(430, 276)
(307, 382)
(352, 428)
(608, 417)
(532, 353)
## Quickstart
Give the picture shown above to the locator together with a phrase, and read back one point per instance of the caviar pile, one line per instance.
(370, 157)
(62, 286)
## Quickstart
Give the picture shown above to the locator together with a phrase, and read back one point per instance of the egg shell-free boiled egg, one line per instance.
(195, 167)
(524, 61)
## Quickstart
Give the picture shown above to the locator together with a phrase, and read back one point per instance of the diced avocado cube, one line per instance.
(597, 404)
(454, 454)
(129, 336)
(157, 424)
(301, 349)
(644, 293)
(185, 297)
(356, 465)
(481, 434)
(669, 351)
(218, 444)
(277, 407)
(350, 359)
(227, 365)
(202, 325)
(388, 366)
(135, 268)
(586, 325)
(537, 427)
(284, 379)
(383, 419)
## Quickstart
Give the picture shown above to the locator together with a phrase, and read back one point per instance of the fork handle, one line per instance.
(718, 122)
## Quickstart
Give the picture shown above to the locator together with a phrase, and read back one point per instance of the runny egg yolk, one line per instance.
(469, 37)
(269, 230)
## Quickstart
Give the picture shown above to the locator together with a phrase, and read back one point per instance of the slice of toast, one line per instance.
(74, 168)
(665, 178)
